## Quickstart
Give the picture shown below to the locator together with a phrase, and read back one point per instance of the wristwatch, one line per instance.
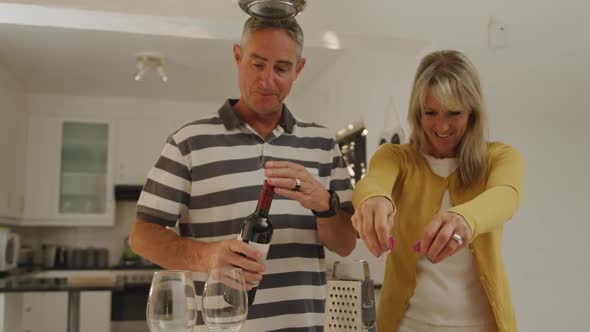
(334, 206)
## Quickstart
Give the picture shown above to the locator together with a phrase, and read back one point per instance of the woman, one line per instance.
(451, 193)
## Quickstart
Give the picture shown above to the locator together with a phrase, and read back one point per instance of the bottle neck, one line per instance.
(265, 199)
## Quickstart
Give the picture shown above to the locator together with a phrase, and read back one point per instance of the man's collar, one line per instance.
(231, 119)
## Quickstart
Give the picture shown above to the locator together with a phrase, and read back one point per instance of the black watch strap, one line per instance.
(334, 206)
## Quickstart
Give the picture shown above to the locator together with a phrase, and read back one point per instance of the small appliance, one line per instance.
(9, 249)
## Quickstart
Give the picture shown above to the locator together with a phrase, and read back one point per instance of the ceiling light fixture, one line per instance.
(272, 9)
(150, 61)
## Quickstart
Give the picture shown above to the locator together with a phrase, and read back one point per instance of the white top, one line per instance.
(449, 293)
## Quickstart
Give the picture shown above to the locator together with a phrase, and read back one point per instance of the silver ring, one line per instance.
(457, 238)
(297, 185)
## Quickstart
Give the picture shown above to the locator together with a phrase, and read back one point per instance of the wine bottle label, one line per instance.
(263, 248)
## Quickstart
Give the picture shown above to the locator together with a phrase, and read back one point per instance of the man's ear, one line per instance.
(237, 53)
(300, 65)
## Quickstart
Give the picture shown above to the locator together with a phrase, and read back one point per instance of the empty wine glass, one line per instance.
(171, 304)
(225, 301)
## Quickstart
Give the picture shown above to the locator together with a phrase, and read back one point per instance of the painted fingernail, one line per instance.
(391, 243)
(416, 246)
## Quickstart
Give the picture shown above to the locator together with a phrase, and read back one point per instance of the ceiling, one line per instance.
(88, 47)
(92, 53)
(50, 60)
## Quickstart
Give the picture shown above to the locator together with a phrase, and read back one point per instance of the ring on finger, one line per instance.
(457, 238)
(297, 185)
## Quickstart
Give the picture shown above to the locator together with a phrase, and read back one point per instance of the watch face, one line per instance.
(334, 206)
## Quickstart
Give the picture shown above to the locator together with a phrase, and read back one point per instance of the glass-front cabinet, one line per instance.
(69, 172)
(84, 168)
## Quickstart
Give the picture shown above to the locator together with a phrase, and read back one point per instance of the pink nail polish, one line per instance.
(390, 246)
(391, 243)
(416, 246)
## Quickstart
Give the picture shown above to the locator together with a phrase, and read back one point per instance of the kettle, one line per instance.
(9, 249)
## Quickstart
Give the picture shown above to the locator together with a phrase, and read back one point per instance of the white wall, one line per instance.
(13, 138)
(369, 84)
(538, 107)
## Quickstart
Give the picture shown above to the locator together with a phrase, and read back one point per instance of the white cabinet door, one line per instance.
(13, 138)
(95, 311)
(69, 172)
(44, 311)
(42, 170)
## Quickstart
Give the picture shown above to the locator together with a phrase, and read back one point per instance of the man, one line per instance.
(210, 173)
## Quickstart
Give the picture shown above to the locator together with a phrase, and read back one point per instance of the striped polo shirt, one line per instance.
(207, 180)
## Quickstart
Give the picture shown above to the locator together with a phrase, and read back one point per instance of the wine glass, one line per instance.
(225, 301)
(171, 303)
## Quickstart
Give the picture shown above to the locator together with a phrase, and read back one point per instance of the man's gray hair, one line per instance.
(289, 25)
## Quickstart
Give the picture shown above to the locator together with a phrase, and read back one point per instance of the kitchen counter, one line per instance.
(28, 283)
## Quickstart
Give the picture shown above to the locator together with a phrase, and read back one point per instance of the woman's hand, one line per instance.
(437, 242)
(373, 221)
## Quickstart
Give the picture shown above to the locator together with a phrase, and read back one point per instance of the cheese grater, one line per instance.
(350, 299)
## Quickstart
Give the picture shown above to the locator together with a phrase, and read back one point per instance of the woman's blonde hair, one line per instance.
(454, 81)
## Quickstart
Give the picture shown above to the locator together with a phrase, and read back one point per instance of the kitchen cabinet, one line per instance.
(13, 138)
(45, 311)
(50, 311)
(95, 311)
(35, 312)
(69, 178)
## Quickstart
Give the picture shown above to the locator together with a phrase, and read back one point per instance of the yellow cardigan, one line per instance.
(403, 175)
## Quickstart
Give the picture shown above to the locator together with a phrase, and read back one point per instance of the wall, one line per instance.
(539, 110)
(13, 137)
(369, 84)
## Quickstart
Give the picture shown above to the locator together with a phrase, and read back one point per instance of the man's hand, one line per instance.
(239, 254)
(373, 221)
(311, 194)
(437, 242)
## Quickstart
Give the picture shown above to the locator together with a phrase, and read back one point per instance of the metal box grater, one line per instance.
(350, 300)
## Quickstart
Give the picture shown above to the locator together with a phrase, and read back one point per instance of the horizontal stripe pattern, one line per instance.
(208, 179)
(289, 307)
(270, 282)
(233, 226)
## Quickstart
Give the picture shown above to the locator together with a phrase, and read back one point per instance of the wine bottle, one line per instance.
(257, 228)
